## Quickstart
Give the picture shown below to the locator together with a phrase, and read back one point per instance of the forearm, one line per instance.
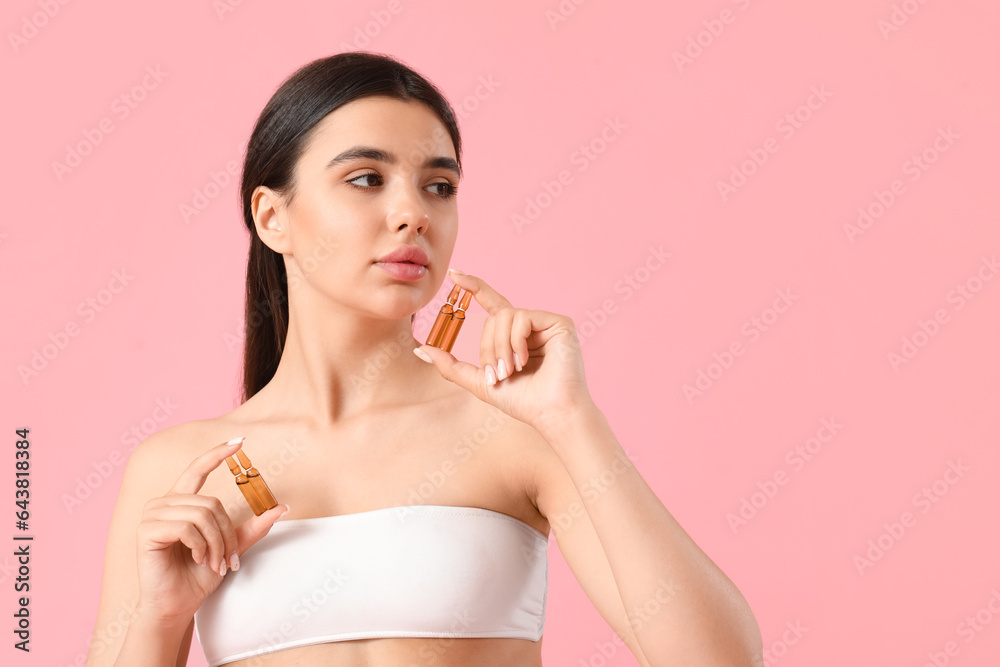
(682, 607)
(150, 642)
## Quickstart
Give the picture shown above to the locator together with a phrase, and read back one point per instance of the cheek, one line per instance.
(445, 246)
(343, 226)
(451, 232)
(446, 222)
(318, 239)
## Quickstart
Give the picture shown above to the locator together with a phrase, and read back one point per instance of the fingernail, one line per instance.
(461, 273)
(501, 370)
(222, 568)
(517, 362)
(234, 562)
(289, 509)
(423, 355)
(491, 379)
(235, 441)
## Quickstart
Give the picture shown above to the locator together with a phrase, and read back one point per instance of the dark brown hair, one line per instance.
(279, 138)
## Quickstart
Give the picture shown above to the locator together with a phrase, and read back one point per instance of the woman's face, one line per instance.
(377, 174)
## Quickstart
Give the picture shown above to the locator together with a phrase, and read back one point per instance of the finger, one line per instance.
(158, 534)
(502, 351)
(465, 375)
(208, 513)
(256, 527)
(487, 351)
(213, 552)
(487, 297)
(520, 329)
(541, 325)
(193, 477)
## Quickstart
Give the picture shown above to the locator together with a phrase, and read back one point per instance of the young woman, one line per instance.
(416, 491)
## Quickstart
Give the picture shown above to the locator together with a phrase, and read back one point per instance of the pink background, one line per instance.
(171, 335)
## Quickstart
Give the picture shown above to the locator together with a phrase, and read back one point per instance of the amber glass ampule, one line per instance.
(243, 484)
(434, 338)
(257, 482)
(455, 325)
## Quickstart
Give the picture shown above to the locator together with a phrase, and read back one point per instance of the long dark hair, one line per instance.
(278, 140)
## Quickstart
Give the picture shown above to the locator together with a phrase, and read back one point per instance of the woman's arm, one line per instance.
(701, 618)
(123, 635)
(681, 607)
(150, 642)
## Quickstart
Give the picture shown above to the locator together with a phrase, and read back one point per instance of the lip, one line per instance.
(405, 254)
(403, 270)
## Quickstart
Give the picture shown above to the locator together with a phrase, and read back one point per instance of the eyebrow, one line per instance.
(379, 155)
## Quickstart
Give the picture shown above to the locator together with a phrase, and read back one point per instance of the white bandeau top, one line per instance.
(410, 571)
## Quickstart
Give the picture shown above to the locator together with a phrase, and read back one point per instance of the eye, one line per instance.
(373, 176)
(445, 190)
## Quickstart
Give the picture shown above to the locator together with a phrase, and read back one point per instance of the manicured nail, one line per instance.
(222, 568)
(284, 513)
(234, 562)
(235, 441)
(461, 273)
(517, 362)
(491, 379)
(501, 370)
(423, 355)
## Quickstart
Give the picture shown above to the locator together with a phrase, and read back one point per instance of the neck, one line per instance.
(338, 366)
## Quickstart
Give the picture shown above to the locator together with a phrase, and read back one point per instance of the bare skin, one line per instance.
(342, 446)
(351, 439)
(376, 461)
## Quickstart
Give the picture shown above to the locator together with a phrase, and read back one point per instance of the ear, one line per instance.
(270, 218)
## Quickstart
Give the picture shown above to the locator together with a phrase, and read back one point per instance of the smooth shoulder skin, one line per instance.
(151, 471)
(531, 463)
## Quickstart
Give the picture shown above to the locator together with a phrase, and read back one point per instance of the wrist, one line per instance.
(146, 616)
(153, 639)
(558, 425)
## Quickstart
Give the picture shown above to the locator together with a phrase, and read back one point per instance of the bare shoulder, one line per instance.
(159, 459)
(152, 469)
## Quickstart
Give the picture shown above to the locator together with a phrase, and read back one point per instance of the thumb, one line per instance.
(461, 373)
(256, 527)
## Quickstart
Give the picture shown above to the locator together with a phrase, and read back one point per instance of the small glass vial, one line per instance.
(257, 482)
(251, 484)
(455, 325)
(443, 318)
(243, 484)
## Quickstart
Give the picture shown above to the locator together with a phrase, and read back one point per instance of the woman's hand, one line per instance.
(185, 538)
(550, 385)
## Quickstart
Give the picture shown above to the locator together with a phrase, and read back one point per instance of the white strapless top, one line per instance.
(410, 571)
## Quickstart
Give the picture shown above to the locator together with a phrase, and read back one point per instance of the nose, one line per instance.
(407, 210)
